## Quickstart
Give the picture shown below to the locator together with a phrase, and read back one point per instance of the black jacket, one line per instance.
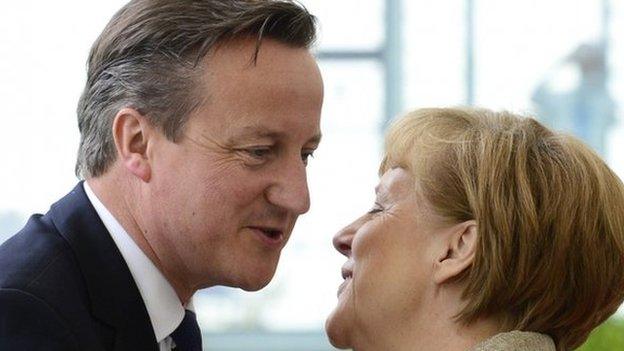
(65, 286)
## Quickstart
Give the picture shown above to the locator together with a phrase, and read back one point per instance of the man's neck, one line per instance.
(121, 201)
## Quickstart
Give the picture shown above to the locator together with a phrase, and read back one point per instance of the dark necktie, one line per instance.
(187, 336)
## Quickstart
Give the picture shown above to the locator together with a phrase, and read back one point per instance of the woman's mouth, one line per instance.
(347, 274)
(343, 286)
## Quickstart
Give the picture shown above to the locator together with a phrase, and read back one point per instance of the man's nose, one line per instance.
(343, 239)
(290, 188)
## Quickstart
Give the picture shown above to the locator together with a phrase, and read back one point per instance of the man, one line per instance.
(196, 124)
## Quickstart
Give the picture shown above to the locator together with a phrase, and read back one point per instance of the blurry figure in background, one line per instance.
(574, 98)
(476, 240)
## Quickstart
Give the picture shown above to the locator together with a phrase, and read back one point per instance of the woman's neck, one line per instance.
(434, 327)
(430, 334)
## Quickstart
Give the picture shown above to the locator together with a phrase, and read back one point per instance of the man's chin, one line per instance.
(254, 287)
(257, 281)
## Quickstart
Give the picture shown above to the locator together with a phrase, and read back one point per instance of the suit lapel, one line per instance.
(115, 298)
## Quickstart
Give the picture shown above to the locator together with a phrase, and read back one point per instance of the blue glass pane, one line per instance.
(349, 24)
(434, 58)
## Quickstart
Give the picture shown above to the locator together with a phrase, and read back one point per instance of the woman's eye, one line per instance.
(376, 209)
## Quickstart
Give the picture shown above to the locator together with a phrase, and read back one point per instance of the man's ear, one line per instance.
(458, 252)
(132, 132)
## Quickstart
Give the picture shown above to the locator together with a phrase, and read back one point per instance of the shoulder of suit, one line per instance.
(38, 260)
(33, 252)
(28, 322)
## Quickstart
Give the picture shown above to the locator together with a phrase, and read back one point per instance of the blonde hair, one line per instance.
(550, 216)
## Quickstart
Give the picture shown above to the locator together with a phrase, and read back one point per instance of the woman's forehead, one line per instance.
(395, 180)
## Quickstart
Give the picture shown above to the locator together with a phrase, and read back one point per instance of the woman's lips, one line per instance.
(347, 274)
(343, 285)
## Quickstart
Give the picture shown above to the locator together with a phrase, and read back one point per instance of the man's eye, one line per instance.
(306, 155)
(258, 153)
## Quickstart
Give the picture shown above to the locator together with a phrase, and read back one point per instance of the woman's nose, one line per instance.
(343, 239)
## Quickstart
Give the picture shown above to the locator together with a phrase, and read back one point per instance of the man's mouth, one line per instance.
(271, 235)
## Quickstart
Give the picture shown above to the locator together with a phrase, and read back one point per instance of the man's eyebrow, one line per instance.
(255, 132)
(316, 139)
(264, 132)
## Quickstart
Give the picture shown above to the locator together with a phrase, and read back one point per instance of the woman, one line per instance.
(489, 232)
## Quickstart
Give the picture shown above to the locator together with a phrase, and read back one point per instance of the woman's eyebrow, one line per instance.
(380, 190)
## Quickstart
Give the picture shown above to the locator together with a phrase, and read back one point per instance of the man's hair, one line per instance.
(549, 213)
(148, 58)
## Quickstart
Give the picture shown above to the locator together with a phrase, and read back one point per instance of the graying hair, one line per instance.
(148, 58)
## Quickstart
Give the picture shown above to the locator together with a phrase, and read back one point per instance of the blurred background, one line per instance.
(561, 60)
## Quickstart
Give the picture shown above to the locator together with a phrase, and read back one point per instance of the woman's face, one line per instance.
(390, 252)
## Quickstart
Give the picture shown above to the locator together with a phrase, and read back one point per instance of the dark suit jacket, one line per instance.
(65, 286)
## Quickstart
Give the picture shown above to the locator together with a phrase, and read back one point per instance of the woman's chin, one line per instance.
(339, 323)
(337, 327)
(336, 333)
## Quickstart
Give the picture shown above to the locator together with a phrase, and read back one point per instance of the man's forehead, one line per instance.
(251, 56)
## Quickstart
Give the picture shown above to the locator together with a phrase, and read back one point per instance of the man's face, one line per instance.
(222, 202)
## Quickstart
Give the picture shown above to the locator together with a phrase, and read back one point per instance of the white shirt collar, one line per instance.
(161, 301)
